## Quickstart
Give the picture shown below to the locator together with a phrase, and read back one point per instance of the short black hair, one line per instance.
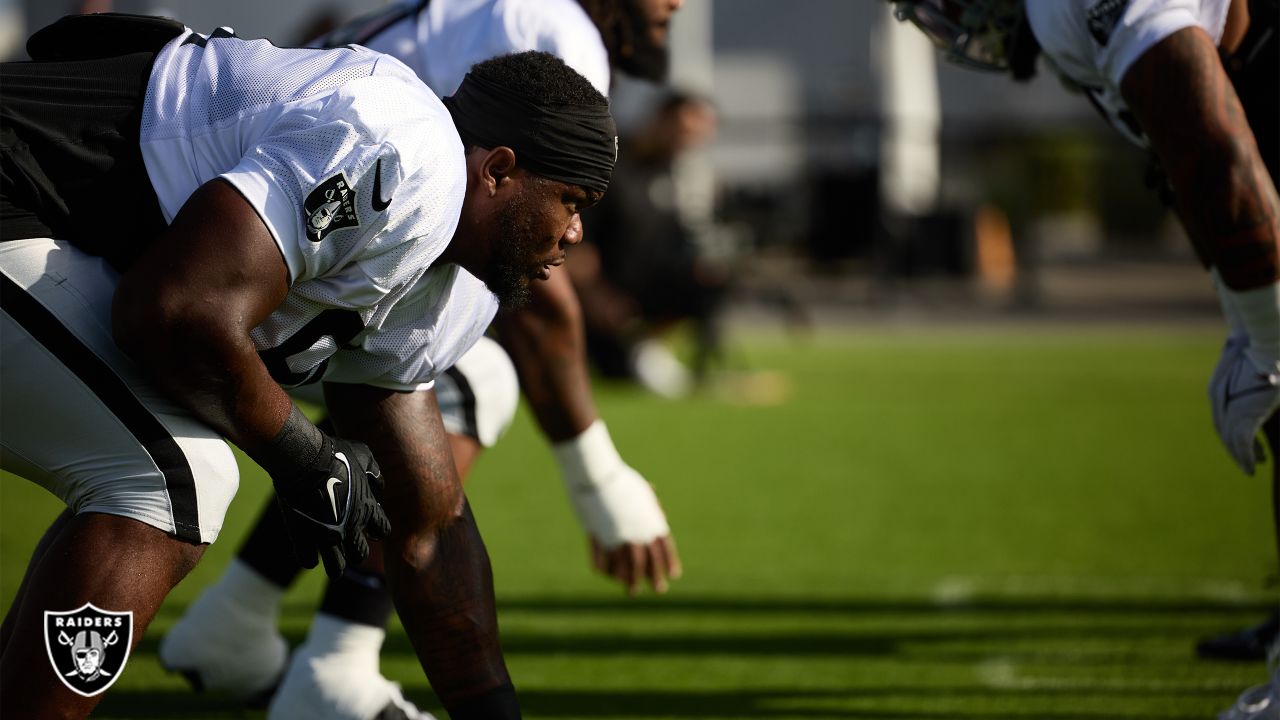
(541, 78)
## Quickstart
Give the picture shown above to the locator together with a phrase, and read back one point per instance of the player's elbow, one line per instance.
(138, 318)
(1221, 165)
(156, 328)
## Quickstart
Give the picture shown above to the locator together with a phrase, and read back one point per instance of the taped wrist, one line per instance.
(497, 704)
(1259, 311)
(1235, 323)
(297, 448)
(589, 459)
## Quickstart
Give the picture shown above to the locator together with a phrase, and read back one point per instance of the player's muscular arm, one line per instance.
(1197, 127)
(184, 310)
(435, 560)
(547, 342)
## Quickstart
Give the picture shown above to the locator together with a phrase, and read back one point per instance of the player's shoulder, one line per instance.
(393, 106)
(560, 27)
(553, 23)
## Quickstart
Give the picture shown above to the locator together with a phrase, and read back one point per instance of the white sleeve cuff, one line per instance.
(277, 209)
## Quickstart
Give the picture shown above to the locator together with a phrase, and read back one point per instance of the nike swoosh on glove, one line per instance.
(1242, 397)
(332, 508)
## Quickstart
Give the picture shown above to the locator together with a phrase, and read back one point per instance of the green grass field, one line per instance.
(958, 523)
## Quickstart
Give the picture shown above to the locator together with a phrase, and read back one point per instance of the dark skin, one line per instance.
(184, 311)
(64, 573)
(223, 382)
(1226, 199)
(547, 343)
(434, 557)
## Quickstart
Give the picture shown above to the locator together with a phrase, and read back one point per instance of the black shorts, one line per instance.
(70, 163)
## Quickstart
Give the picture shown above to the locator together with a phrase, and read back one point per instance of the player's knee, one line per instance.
(187, 498)
(414, 541)
(186, 556)
(479, 395)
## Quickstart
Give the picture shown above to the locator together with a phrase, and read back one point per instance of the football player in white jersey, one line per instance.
(192, 223)
(1195, 81)
(626, 527)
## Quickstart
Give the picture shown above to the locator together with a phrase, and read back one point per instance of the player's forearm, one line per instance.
(446, 603)
(435, 559)
(547, 343)
(185, 308)
(1229, 206)
(216, 373)
(1198, 128)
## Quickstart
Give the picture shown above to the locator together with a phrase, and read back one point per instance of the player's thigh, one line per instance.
(75, 414)
(478, 396)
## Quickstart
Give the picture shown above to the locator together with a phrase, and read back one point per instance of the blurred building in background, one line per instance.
(827, 159)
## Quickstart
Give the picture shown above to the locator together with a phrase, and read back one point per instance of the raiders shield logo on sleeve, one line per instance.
(330, 206)
(1103, 18)
(88, 647)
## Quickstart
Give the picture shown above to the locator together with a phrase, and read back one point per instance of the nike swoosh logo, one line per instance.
(333, 502)
(376, 201)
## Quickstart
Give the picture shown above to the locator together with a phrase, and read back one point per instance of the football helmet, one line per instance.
(978, 34)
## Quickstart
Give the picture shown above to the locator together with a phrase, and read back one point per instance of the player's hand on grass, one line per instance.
(633, 563)
(630, 538)
(1243, 396)
(331, 505)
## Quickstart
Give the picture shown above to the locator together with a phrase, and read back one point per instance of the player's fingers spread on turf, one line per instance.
(656, 567)
(674, 567)
(638, 556)
(618, 564)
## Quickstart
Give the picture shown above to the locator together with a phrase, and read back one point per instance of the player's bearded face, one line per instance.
(517, 255)
(648, 58)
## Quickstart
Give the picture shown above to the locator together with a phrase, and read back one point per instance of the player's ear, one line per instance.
(497, 166)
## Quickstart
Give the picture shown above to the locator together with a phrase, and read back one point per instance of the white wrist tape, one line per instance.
(1235, 323)
(613, 502)
(589, 459)
(1259, 311)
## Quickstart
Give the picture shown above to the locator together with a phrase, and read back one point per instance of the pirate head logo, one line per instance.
(88, 647)
(330, 206)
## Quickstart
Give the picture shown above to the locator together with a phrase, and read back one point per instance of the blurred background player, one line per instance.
(1196, 82)
(645, 273)
(628, 533)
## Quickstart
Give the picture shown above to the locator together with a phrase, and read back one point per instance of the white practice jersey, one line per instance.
(443, 40)
(1094, 42)
(355, 167)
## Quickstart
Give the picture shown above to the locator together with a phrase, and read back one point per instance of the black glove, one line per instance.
(329, 502)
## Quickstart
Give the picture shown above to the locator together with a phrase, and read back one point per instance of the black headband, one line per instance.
(576, 144)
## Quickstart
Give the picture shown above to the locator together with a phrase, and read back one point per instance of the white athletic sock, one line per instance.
(332, 635)
(228, 636)
(242, 586)
(656, 368)
(334, 674)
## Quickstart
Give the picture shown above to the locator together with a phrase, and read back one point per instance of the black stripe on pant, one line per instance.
(472, 428)
(45, 327)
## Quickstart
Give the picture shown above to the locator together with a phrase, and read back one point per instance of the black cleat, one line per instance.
(1251, 643)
